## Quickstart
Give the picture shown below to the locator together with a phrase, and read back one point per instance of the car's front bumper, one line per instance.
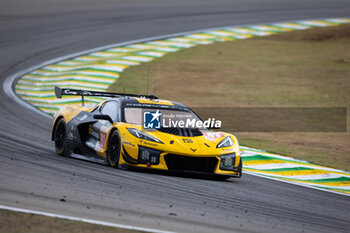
(158, 160)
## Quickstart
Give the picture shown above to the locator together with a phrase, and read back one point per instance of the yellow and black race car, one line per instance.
(142, 131)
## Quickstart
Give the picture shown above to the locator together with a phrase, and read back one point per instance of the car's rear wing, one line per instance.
(59, 92)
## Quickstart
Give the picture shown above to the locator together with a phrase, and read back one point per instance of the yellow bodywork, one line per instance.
(200, 146)
(178, 147)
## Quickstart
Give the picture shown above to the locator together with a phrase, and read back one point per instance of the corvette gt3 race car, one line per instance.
(115, 132)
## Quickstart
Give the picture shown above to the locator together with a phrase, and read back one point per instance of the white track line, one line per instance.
(85, 220)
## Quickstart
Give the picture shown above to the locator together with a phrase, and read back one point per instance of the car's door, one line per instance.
(99, 128)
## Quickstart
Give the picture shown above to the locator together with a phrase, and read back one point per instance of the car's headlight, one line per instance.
(227, 161)
(226, 142)
(142, 135)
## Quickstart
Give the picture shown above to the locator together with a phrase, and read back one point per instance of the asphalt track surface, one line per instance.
(32, 176)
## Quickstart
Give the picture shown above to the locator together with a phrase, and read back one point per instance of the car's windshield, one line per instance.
(167, 118)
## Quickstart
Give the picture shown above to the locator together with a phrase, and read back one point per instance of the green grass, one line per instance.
(296, 69)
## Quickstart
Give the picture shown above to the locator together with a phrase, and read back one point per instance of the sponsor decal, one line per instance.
(147, 143)
(212, 136)
(70, 107)
(187, 140)
(151, 120)
(227, 149)
(102, 122)
(154, 101)
(91, 143)
(70, 135)
(102, 139)
(83, 117)
(129, 143)
(94, 134)
(158, 119)
(191, 123)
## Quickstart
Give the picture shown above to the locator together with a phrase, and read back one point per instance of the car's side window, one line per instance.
(110, 108)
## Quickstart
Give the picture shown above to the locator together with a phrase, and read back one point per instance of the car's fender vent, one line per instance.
(184, 132)
(195, 164)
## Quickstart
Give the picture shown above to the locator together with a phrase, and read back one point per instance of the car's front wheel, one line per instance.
(113, 152)
(60, 137)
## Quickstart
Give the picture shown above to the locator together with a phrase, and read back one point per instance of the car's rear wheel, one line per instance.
(113, 152)
(60, 137)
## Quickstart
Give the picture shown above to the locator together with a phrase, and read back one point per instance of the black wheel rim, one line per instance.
(113, 149)
(59, 136)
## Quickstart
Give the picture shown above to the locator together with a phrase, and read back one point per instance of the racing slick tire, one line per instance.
(113, 152)
(60, 137)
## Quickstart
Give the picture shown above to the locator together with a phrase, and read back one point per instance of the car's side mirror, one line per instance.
(103, 117)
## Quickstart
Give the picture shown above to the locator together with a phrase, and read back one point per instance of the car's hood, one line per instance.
(205, 145)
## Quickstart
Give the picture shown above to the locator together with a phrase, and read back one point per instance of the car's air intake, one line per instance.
(194, 164)
(184, 132)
